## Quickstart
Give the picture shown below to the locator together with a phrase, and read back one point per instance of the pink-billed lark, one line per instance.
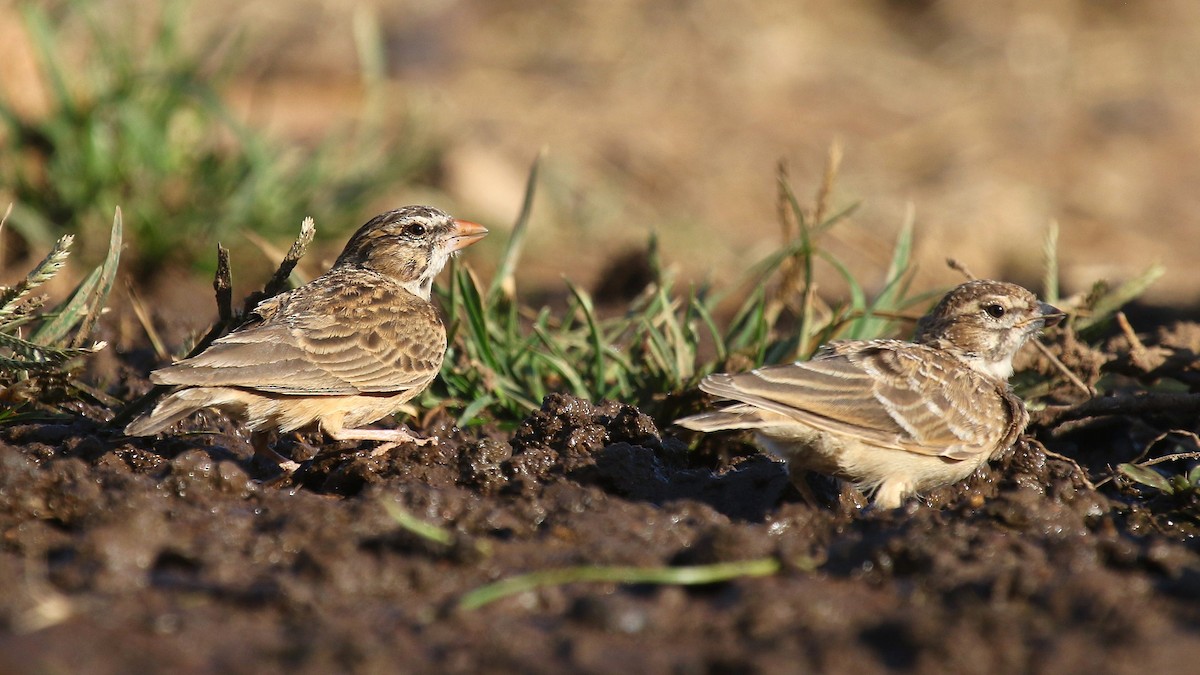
(896, 418)
(341, 351)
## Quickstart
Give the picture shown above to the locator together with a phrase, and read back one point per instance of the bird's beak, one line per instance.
(1051, 315)
(466, 233)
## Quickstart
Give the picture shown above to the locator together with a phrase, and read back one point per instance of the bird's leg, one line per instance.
(891, 493)
(799, 478)
(850, 498)
(258, 440)
(390, 437)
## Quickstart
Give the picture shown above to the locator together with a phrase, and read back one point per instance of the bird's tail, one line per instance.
(169, 411)
(739, 416)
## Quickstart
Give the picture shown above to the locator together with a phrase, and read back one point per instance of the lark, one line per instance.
(896, 418)
(342, 351)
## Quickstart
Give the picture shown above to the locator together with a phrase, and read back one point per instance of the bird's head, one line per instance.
(410, 244)
(985, 323)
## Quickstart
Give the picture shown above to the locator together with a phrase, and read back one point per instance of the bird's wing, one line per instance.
(337, 335)
(899, 396)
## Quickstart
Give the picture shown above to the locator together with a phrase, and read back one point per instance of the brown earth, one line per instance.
(121, 555)
(181, 555)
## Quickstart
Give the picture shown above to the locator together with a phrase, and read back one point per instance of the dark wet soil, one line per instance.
(125, 555)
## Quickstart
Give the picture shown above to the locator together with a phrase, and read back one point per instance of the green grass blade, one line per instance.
(87, 300)
(858, 298)
(468, 414)
(413, 524)
(1122, 295)
(67, 315)
(584, 302)
(504, 280)
(558, 360)
(709, 323)
(98, 297)
(672, 576)
(1050, 254)
(835, 218)
(476, 312)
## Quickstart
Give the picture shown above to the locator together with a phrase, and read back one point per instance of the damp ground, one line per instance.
(186, 554)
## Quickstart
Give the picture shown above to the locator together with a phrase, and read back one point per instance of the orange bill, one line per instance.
(466, 233)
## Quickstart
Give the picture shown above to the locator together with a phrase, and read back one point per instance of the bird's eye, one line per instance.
(994, 311)
(415, 229)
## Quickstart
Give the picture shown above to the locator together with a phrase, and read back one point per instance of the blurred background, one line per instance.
(983, 122)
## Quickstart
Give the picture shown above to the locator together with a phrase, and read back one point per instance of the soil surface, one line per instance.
(184, 555)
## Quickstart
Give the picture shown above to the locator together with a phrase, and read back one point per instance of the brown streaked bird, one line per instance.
(896, 418)
(342, 351)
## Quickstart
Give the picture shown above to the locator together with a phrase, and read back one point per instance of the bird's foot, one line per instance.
(390, 438)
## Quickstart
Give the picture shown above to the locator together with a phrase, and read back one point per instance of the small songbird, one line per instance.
(343, 350)
(896, 418)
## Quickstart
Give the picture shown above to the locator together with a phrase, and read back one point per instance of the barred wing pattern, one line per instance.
(345, 333)
(888, 393)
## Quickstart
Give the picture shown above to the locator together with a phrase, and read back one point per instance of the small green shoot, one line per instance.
(1175, 484)
(415, 525)
(668, 576)
(1102, 304)
(441, 537)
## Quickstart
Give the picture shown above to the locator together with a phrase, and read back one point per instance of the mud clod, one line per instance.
(179, 544)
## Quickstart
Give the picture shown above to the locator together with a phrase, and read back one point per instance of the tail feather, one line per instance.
(169, 411)
(739, 416)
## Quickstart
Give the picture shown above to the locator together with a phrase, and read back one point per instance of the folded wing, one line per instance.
(356, 335)
(892, 395)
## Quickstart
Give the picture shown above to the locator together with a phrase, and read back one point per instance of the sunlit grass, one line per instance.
(41, 347)
(144, 126)
(505, 356)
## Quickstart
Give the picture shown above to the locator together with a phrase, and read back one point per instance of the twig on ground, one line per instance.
(1063, 458)
(1121, 404)
(278, 282)
(226, 320)
(143, 317)
(1089, 391)
(1172, 458)
(223, 286)
(1135, 343)
(1165, 458)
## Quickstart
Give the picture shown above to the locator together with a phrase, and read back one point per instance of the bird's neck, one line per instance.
(1000, 369)
(422, 288)
(994, 363)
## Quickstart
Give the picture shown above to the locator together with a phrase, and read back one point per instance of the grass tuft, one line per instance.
(41, 349)
(505, 357)
(146, 126)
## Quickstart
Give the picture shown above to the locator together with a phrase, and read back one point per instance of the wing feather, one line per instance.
(340, 334)
(891, 394)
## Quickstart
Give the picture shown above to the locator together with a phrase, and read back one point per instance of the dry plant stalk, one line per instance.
(793, 292)
(226, 319)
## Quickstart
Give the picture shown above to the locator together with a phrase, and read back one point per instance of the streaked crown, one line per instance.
(985, 322)
(409, 244)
